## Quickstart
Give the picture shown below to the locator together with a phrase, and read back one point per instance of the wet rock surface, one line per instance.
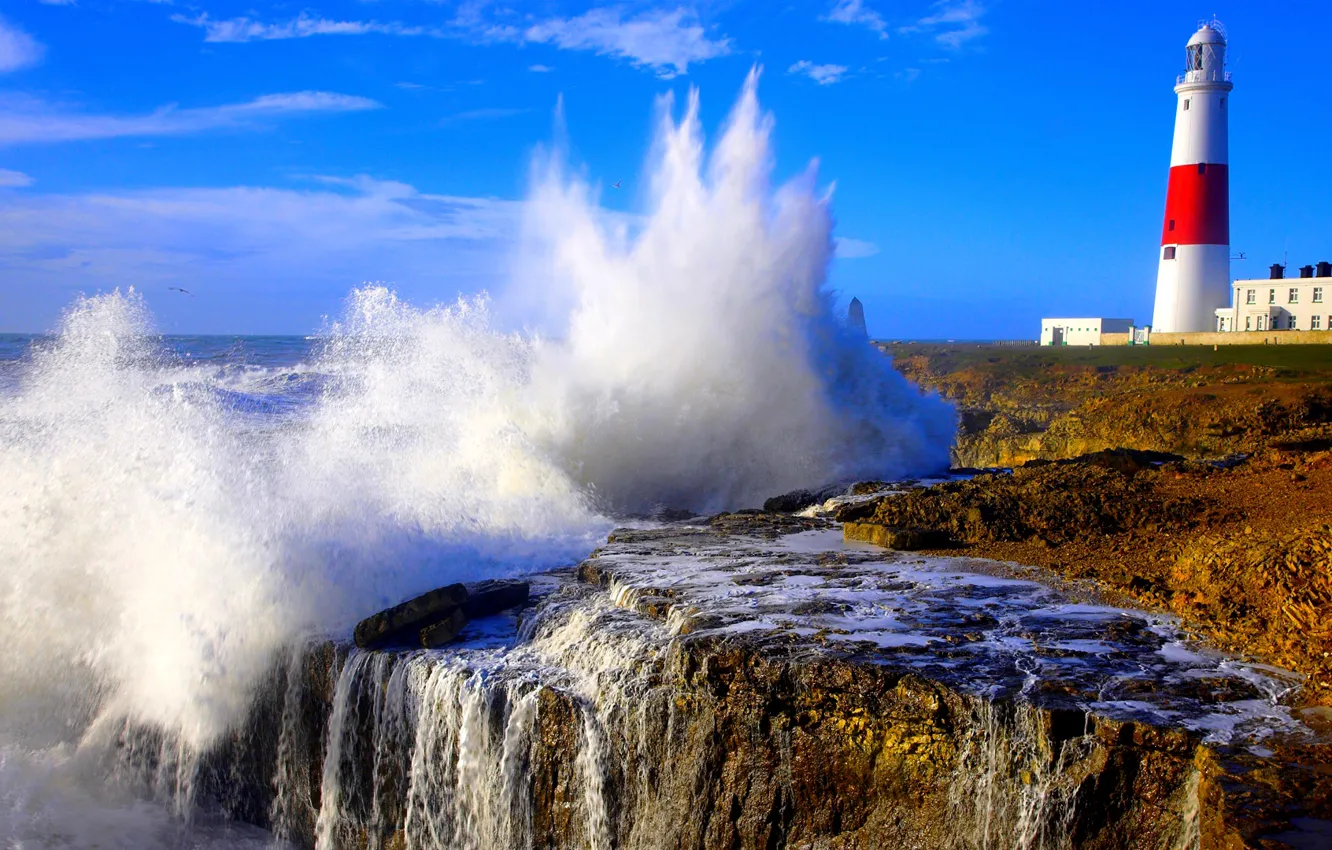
(754, 682)
(1241, 551)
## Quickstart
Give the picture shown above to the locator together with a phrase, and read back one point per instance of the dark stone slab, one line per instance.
(789, 503)
(445, 630)
(403, 623)
(798, 500)
(485, 598)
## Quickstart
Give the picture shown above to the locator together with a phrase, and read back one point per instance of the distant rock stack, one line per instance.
(855, 317)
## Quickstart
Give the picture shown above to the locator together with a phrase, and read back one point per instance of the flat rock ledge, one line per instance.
(804, 735)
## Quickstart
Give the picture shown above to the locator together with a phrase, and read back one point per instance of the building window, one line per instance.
(1260, 322)
(1248, 323)
(1168, 253)
(1318, 295)
(1251, 297)
(1294, 296)
(1315, 322)
(1271, 296)
(1291, 323)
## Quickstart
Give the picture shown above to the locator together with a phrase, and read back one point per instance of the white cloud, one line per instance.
(822, 74)
(58, 2)
(483, 114)
(249, 245)
(17, 48)
(856, 13)
(665, 41)
(540, 69)
(953, 22)
(14, 179)
(247, 29)
(26, 121)
(854, 249)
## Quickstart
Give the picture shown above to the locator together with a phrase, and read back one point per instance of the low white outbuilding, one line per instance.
(1081, 331)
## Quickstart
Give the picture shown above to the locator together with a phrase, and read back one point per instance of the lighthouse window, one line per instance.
(1202, 168)
(1251, 297)
(1186, 104)
(1172, 224)
(1169, 253)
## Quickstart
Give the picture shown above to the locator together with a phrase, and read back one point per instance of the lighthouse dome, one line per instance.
(1206, 35)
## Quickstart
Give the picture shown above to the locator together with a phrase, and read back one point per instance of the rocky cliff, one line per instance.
(748, 682)
(1022, 404)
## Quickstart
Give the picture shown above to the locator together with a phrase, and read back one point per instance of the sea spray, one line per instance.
(703, 365)
(169, 527)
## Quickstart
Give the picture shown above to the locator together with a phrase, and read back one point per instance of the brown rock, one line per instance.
(892, 537)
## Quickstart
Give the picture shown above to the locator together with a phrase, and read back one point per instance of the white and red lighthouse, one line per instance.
(1194, 275)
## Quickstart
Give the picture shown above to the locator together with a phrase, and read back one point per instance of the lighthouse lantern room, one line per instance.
(1193, 279)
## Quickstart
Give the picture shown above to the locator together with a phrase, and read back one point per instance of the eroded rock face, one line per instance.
(1020, 405)
(750, 683)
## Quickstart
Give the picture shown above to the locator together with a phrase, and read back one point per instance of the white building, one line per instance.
(1281, 303)
(1081, 331)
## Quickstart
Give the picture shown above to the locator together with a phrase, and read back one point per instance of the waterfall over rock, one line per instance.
(746, 683)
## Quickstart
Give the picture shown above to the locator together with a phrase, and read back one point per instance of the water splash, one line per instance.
(707, 340)
(168, 529)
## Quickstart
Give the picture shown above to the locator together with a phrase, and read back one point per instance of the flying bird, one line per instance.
(182, 291)
(615, 185)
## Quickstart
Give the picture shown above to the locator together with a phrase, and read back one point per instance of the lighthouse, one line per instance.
(1194, 275)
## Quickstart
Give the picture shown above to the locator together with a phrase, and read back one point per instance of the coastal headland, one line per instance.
(1226, 527)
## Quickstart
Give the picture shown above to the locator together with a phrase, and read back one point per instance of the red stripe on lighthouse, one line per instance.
(1197, 206)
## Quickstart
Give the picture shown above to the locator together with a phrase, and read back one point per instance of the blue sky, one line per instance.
(994, 160)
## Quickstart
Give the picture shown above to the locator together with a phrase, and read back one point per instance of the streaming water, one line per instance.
(176, 513)
(582, 723)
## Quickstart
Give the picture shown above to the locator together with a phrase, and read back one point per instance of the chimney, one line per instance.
(1324, 269)
(1278, 271)
(1306, 271)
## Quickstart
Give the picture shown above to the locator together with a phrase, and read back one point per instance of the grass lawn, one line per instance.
(1290, 361)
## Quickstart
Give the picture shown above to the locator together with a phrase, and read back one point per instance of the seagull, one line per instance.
(615, 185)
(182, 291)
